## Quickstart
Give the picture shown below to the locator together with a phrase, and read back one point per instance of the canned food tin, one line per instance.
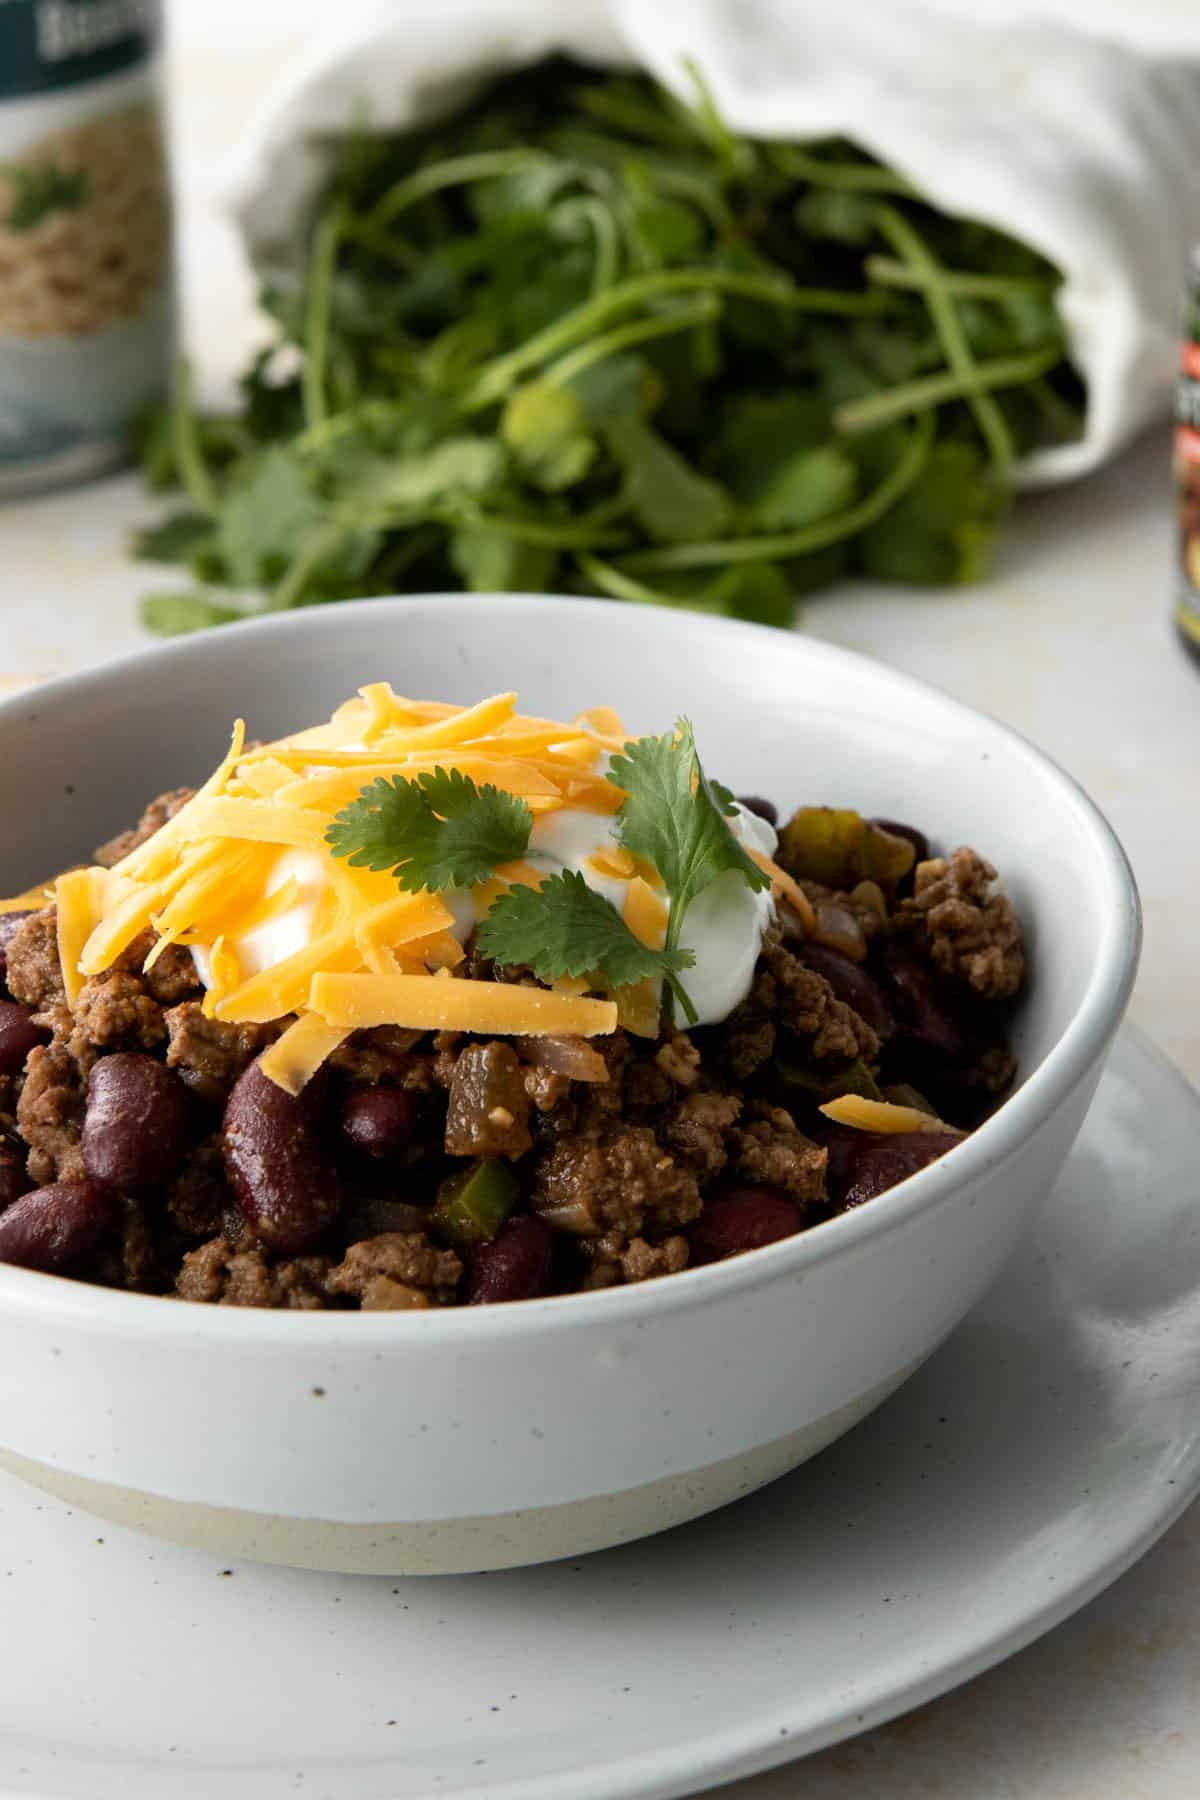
(86, 301)
(1187, 466)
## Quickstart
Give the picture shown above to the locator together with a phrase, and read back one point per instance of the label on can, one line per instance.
(86, 305)
(1187, 464)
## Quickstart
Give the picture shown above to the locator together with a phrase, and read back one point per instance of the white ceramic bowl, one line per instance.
(493, 1436)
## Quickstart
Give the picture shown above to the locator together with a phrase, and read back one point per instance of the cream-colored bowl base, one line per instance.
(456, 1546)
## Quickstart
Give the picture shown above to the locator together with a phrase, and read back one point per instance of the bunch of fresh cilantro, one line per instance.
(583, 338)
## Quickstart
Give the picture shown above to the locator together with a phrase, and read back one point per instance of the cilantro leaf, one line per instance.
(665, 494)
(673, 815)
(434, 832)
(266, 514)
(565, 928)
(174, 540)
(546, 429)
(175, 615)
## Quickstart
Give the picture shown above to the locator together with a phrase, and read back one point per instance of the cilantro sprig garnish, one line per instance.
(564, 927)
(440, 830)
(436, 831)
(677, 818)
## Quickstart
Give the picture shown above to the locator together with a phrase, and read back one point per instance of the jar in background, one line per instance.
(1187, 467)
(86, 291)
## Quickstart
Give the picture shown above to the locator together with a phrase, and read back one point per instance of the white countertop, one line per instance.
(1070, 643)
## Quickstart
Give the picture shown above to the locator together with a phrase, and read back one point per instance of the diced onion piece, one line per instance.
(571, 1056)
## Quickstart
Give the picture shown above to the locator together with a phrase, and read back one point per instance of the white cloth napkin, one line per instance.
(1086, 150)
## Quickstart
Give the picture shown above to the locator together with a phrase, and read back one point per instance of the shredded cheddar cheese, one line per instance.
(80, 900)
(283, 930)
(880, 1115)
(645, 913)
(446, 1003)
(219, 872)
(293, 1060)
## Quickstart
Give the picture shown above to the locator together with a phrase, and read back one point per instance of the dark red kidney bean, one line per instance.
(921, 1005)
(285, 1183)
(840, 1143)
(8, 930)
(135, 1126)
(14, 1181)
(851, 983)
(515, 1265)
(883, 1159)
(18, 1035)
(909, 833)
(742, 1218)
(766, 809)
(380, 1121)
(53, 1227)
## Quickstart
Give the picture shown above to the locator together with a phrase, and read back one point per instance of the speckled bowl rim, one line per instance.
(1086, 1037)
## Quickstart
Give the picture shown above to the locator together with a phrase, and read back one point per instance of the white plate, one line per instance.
(1035, 1456)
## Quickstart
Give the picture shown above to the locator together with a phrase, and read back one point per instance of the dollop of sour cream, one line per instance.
(723, 929)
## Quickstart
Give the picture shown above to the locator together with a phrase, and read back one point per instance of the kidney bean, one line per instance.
(135, 1126)
(285, 1184)
(53, 1227)
(514, 1265)
(380, 1121)
(851, 983)
(742, 1218)
(766, 809)
(8, 930)
(18, 1035)
(883, 1159)
(13, 1179)
(840, 1143)
(921, 1004)
(909, 833)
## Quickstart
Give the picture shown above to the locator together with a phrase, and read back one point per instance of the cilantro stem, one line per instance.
(782, 545)
(604, 230)
(336, 425)
(904, 238)
(850, 177)
(497, 377)
(735, 155)
(455, 171)
(633, 117)
(289, 591)
(964, 284)
(185, 441)
(317, 315)
(620, 586)
(935, 390)
(681, 994)
(582, 535)
(1061, 416)
(624, 337)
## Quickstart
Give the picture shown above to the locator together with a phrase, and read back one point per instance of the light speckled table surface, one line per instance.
(1069, 642)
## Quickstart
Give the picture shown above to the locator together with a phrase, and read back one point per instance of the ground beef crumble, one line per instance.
(34, 975)
(50, 1115)
(156, 815)
(966, 924)
(208, 1055)
(619, 1169)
